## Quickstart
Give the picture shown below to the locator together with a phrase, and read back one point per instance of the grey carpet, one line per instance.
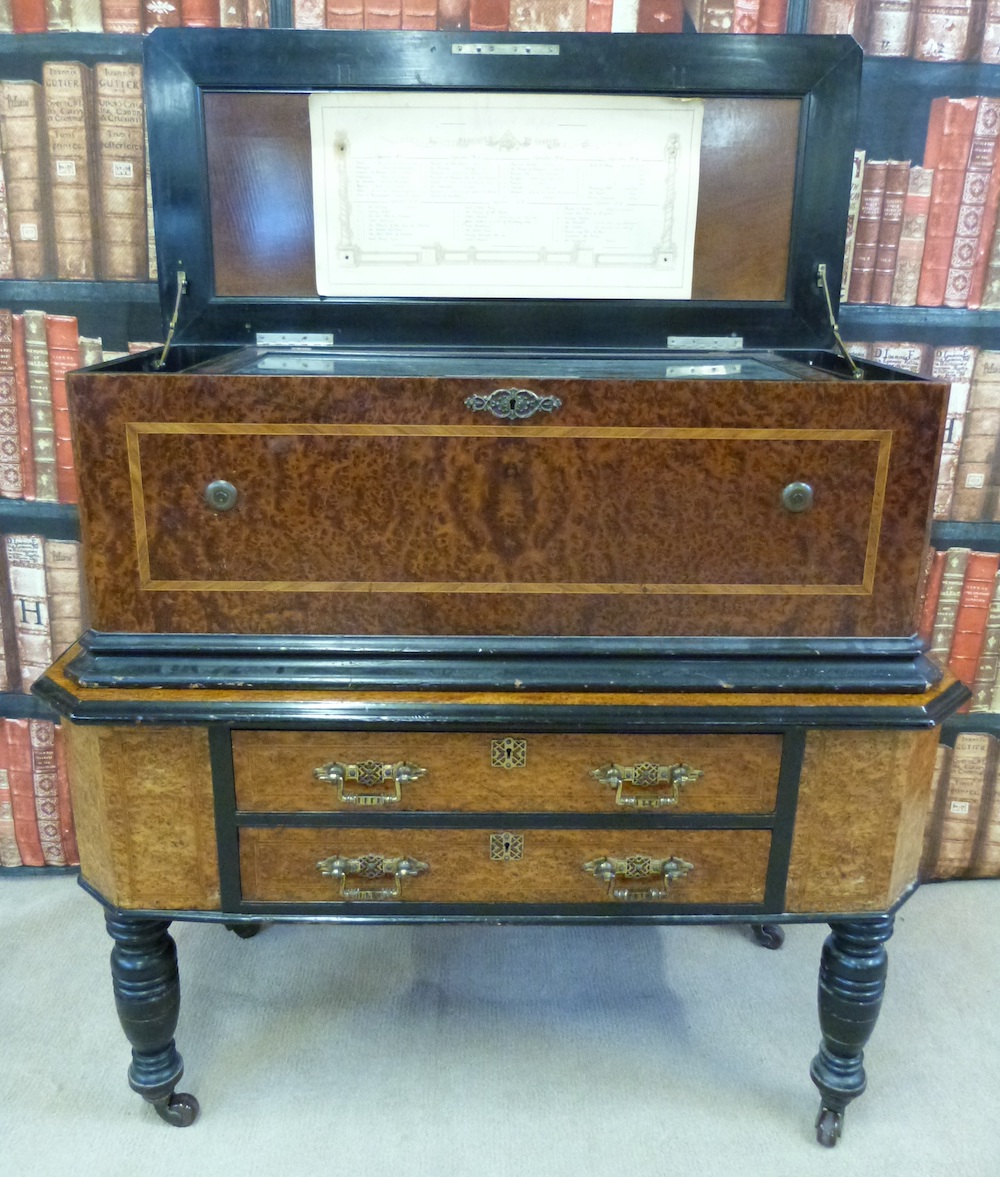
(497, 1052)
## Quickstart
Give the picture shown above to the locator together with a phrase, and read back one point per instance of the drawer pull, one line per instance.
(636, 785)
(358, 876)
(365, 783)
(638, 867)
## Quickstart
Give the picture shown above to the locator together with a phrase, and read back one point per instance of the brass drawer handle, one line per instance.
(635, 785)
(638, 866)
(358, 875)
(365, 783)
(513, 404)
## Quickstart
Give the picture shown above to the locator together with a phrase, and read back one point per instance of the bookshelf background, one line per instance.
(896, 96)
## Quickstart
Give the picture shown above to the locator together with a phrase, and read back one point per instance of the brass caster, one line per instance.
(179, 1109)
(829, 1126)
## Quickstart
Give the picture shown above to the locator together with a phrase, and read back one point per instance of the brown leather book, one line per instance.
(973, 762)
(954, 366)
(890, 227)
(9, 853)
(660, 16)
(866, 231)
(931, 592)
(947, 30)
(890, 28)
(43, 438)
(160, 14)
(258, 14)
(121, 16)
(345, 14)
(69, 126)
(745, 16)
(985, 862)
(548, 16)
(383, 14)
(975, 488)
(22, 130)
(977, 211)
(23, 407)
(913, 235)
(308, 14)
(62, 340)
(599, 15)
(453, 15)
(26, 576)
(44, 778)
(947, 606)
(121, 170)
(65, 593)
(949, 141)
(835, 16)
(29, 16)
(67, 826)
(970, 620)
(11, 482)
(200, 14)
(419, 14)
(773, 17)
(989, 657)
(711, 16)
(489, 16)
(22, 791)
(989, 45)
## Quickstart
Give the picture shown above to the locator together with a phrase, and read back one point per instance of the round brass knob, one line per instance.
(221, 495)
(797, 497)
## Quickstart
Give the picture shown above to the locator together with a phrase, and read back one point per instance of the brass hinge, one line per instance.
(824, 285)
(181, 291)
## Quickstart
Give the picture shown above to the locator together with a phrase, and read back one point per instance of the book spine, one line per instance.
(26, 573)
(67, 90)
(866, 234)
(23, 407)
(986, 851)
(931, 594)
(913, 234)
(121, 16)
(969, 767)
(29, 16)
(383, 14)
(975, 490)
(11, 481)
(972, 214)
(10, 674)
(58, 16)
(890, 227)
(833, 16)
(548, 16)
(62, 345)
(200, 14)
(989, 658)
(947, 607)
(970, 618)
(9, 853)
(773, 18)
(232, 14)
(989, 46)
(46, 785)
(43, 438)
(6, 244)
(935, 810)
(121, 170)
(989, 110)
(85, 16)
(599, 16)
(745, 16)
(910, 357)
(659, 16)
(67, 826)
(258, 14)
(417, 15)
(22, 791)
(953, 365)
(453, 15)
(64, 593)
(890, 28)
(160, 14)
(308, 14)
(21, 127)
(949, 142)
(489, 16)
(943, 30)
(853, 211)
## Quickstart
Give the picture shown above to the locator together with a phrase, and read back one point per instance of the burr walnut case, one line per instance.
(580, 586)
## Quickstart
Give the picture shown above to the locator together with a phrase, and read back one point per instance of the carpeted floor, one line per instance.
(497, 1052)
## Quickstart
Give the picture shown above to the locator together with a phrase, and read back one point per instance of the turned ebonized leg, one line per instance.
(147, 994)
(851, 983)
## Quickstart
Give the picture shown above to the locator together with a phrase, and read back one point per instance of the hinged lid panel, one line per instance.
(544, 190)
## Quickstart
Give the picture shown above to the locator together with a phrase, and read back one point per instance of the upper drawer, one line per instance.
(375, 506)
(480, 773)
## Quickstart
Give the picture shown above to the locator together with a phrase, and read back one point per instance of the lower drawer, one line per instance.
(287, 865)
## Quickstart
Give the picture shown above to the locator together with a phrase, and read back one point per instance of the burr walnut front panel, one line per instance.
(499, 865)
(479, 773)
(373, 506)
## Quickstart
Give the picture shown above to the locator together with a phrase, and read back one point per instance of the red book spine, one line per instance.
(345, 14)
(121, 16)
(383, 14)
(23, 408)
(22, 792)
(866, 234)
(44, 777)
(773, 16)
(62, 337)
(932, 591)
(599, 13)
(489, 16)
(29, 16)
(67, 828)
(200, 14)
(897, 175)
(970, 621)
(417, 14)
(949, 141)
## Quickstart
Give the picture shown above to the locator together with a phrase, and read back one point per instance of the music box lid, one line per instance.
(536, 191)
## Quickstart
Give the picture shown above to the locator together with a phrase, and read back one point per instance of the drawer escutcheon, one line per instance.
(365, 783)
(358, 875)
(670, 778)
(638, 866)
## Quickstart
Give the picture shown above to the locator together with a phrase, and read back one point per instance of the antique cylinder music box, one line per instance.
(503, 531)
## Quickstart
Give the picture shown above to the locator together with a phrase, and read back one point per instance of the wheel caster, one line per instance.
(829, 1126)
(179, 1109)
(768, 935)
(245, 931)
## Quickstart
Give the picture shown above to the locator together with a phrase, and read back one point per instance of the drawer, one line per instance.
(497, 865)
(479, 773)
